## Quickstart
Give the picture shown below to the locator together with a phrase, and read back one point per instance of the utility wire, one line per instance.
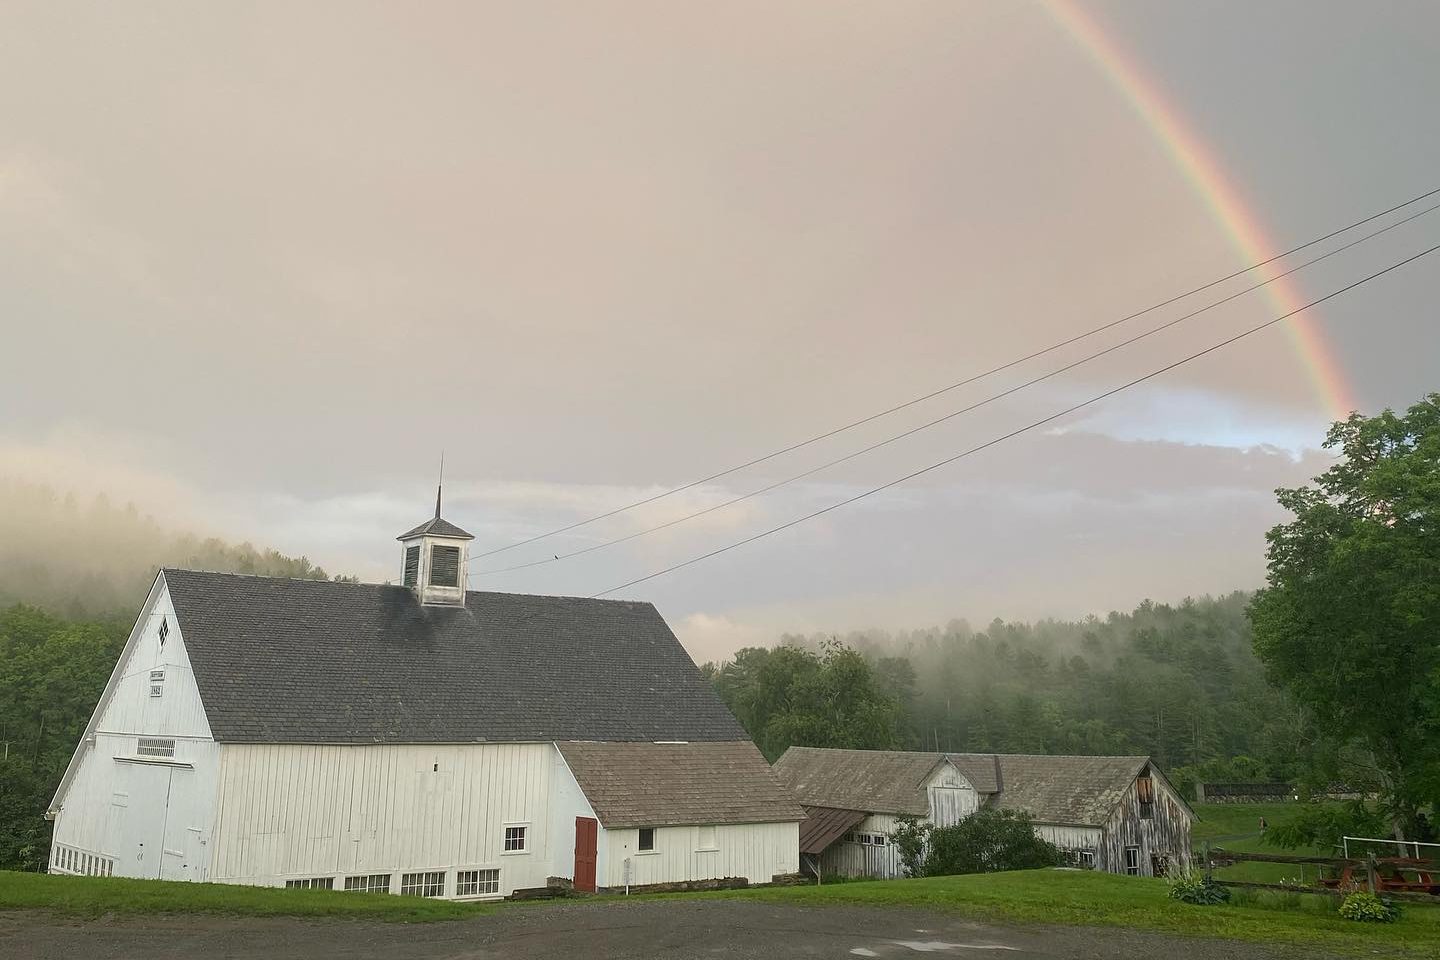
(949, 416)
(1015, 433)
(954, 386)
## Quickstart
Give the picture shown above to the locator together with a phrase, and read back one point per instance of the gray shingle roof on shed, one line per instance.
(1051, 789)
(307, 661)
(677, 784)
(1066, 790)
(877, 781)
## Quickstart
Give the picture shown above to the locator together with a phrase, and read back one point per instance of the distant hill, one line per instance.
(96, 559)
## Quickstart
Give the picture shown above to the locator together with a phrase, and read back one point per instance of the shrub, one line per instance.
(1368, 908)
(988, 841)
(1193, 887)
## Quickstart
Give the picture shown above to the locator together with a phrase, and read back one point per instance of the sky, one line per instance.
(261, 264)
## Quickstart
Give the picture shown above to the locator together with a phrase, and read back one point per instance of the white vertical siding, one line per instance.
(145, 819)
(847, 859)
(290, 811)
(755, 851)
(1074, 840)
(568, 802)
(951, 796)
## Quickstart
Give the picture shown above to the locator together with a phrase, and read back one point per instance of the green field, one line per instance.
(1037, 896)
(1236, 826)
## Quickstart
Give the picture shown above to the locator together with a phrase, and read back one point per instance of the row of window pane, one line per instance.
(426, 884)
(474, 883)
(867, 839)
(373, 883)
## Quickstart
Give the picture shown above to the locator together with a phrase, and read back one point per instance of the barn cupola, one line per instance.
(435, 558)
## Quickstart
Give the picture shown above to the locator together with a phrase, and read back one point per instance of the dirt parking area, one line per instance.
(643, 929)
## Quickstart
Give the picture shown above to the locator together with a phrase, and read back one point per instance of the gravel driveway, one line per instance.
(644, 929)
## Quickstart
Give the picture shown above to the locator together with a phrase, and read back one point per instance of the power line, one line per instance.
(954, 386)
(1015, 433)
(949, 416)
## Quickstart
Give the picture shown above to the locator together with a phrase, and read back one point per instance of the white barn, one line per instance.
(417, 739)
(1117, 814)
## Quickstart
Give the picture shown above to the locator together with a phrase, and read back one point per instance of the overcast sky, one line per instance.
(261, 263)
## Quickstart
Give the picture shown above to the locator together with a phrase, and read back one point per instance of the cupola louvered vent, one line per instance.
(412, 565)
(445, 566)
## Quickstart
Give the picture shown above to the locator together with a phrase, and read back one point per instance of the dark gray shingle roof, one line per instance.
(307, 661)
(437, 527)
(675, 784)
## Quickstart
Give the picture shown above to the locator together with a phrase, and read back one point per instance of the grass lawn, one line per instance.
(1101, 899)
(1236, 826)
(95, 896)
(1036, 896)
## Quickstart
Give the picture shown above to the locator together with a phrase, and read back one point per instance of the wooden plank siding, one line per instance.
(756, 851)
(1165, 835)
(294, 811)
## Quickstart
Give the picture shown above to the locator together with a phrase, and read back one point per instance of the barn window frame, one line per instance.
(1145, 797)
(1087, 859)
(412, 565)
(164, 629)
(368, 883)
(707, 838)
(1132, 861)
(515, 838)
(311, 883)
(645, 840)
(480, 882)
(423, 883)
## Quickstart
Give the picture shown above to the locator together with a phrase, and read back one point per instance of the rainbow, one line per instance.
(1206, 176)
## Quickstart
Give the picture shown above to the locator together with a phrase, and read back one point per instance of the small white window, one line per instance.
(164, 629)
(1132, 861)
(705, 838)
(514, 839)
(430, 883)
(1087, 859)
(476, 883)
(369, 883)
(311, 883)
(647, 839)
(154, 747)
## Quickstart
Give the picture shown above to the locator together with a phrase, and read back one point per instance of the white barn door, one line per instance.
(138, 818)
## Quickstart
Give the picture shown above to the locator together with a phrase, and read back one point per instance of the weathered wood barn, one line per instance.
(1117, 814)
(416, 739)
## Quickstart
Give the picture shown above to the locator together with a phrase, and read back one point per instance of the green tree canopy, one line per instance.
(1350, 623)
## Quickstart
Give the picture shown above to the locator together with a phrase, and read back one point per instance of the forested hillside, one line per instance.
(96, 559)
(1180, 683)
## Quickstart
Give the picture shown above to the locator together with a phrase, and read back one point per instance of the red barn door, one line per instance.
(585, 846)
